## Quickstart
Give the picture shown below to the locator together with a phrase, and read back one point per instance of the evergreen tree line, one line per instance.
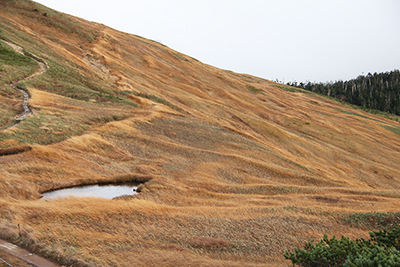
(379, 91)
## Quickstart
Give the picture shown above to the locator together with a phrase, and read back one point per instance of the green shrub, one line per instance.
(252, 88)
(374, 255)
(382, 249)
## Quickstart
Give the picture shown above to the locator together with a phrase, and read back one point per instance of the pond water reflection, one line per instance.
(101, 191)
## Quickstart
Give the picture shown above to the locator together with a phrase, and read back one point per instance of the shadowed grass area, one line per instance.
(14, 150)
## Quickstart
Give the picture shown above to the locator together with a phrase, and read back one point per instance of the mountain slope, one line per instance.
(239, 168)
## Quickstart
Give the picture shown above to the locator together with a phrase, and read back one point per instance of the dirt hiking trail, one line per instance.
(42, 68)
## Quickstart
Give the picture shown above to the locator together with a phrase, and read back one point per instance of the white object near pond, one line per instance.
(100, 191)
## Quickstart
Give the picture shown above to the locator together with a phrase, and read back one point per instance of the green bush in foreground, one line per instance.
(382, 249)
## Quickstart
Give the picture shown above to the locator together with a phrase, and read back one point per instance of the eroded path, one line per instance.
(42, 68)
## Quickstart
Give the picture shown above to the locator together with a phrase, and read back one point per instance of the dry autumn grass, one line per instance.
(236, 169)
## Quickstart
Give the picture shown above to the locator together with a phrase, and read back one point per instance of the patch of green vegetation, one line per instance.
(355, 114)
(252, 88)
(128, 102)
(180, 56)
(14, 65)
(157, 42)
(291, 89)
(195, 59)
(28, 54)
(395, 130)
(293, 208)
(9, 57)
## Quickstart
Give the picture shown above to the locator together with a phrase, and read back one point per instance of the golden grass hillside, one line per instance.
(236, 169)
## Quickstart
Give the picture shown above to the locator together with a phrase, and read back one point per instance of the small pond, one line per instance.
(109, 191)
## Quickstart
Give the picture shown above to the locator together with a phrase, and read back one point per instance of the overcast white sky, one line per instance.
(289, 40)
